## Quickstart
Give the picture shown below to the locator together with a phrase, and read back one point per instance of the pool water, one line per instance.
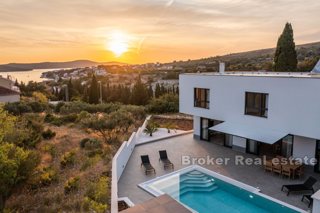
(204, 193)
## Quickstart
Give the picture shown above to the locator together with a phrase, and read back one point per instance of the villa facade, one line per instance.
(256, 112)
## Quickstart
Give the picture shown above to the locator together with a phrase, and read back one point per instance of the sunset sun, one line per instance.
(118, 43)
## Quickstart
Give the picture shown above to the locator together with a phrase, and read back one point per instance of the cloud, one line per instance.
(203, 26)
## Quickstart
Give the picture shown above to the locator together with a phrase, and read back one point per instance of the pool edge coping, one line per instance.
(257, 191)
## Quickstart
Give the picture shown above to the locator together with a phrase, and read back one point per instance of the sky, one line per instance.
(148, 30)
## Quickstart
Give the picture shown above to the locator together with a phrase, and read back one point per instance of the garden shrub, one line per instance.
(38, 106)
(168, 103)
(99, 191)
(97, 196)
(27, 131)
(49, 118)
(91, 205)
(89, 162)
(138, 112)
(58, 121)
(51, 149)
(17, 108)
(68, 159)
(47, 176)
(48, 134)
(70, 118)
(77, 107)
(92, 145)
(83, 115)
(83, 142)
(58, 107)
(72, 185)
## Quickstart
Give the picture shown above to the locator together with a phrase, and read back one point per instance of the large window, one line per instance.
(252, 147)
(256, 104)
(201, 98)
(287, 144)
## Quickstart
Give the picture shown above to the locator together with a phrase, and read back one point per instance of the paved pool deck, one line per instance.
(185, 145)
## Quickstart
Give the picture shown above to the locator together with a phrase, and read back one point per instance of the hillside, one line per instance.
(308, 55)
(52, 65)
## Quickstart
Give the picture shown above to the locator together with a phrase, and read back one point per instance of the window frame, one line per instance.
(205, 104)
(262, 110)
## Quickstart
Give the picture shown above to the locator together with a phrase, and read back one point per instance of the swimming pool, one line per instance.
(204, 191)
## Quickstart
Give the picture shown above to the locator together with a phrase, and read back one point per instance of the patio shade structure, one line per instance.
(264, 135)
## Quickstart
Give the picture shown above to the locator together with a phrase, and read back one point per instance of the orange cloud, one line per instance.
(159, 30)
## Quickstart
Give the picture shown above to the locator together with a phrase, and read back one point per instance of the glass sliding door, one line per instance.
(252, 147)
(204, 129)
(228, 140)
(286, 146)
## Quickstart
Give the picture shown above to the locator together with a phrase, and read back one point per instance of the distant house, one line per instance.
(8, 95)
(8, 92)
(100, 72)
(5, 82)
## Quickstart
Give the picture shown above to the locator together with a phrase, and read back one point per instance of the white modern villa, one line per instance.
(248, 114)
(262, 113)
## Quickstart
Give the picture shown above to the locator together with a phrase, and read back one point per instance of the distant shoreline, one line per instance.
(17, 70)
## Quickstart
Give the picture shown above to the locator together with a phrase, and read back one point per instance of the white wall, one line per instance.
(124, 152)
(316, 202)
(294, 104)
(119, 163)
(304, 147)
(9, 98)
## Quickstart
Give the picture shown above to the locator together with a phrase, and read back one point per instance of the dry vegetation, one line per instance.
(46, 190)
(173, 122)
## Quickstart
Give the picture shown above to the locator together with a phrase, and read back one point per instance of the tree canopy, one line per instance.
(140, 94)
(16, 165)
(94, 91)
(285, 59)
(7, 123)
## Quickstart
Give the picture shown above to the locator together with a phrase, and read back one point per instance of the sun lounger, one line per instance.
(306, 186)
(165, 160)
(145, 162)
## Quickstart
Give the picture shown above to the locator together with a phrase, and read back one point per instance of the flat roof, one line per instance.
(260, 74)
(250, 131)
(5, 91)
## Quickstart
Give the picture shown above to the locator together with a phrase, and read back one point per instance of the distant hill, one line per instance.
(312, 48)
(308, 55)
(52, 65)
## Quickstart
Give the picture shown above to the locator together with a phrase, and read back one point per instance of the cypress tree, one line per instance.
(106, 93)
(157, 92)
(139, 93)
(285, 58)
(70, 88)
(150, 92)
(163, 89)
(94, 91)
(85, 97)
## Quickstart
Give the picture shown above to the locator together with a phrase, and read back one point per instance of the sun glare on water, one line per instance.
(118, 43)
